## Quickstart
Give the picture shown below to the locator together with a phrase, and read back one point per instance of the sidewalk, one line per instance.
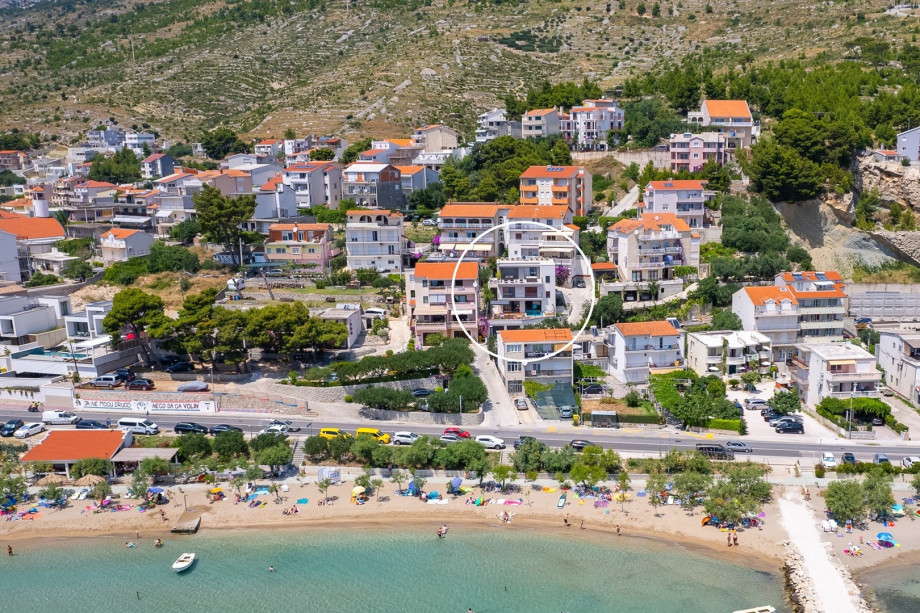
(501, 411)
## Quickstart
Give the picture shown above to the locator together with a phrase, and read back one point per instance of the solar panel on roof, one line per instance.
(798, 276)
(821, 276)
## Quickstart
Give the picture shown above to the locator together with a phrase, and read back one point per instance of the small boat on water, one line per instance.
(184, 562)
(763, 609)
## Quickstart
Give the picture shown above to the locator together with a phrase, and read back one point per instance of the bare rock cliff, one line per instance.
(894, 182)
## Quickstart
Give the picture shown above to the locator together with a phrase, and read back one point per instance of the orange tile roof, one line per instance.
(572, 226)
(677, 184)
(759, 295)
(38, 188)
(237, 174)
(270, 141)
(539, 112)
(536, 336)
(72, 445)
(11, 214)
(402, 142)
(557, 172)
(33, 227)
(272, 184)
(728, 108)
(318, 227)
(603, 266)
(445, 270)
(154, 157)
(469, 209)
(812, 275)
(652, 222)
(374, 151)
(409, 170)
(647, 328)
(96, 184)
(11, 151)
(531, 211)
(120, 233)
(386, 212)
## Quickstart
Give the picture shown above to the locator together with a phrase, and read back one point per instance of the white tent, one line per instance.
(326, 472)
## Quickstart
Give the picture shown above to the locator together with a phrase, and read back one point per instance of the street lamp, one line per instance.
(850, 420)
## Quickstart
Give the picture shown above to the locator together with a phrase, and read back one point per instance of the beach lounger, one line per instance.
(84, 494)
(670, 500)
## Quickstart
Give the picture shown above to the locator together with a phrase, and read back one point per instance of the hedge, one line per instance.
(895, 425)
(386, 379)
(725, 424)
(641, 419)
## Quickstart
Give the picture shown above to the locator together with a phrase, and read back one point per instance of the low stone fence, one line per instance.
(338, 393)
(202, 375)
(423, 417)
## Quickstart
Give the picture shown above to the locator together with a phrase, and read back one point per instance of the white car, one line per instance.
(909, 461)
(429, 222)
(274, 430)
(520, 404)
(828, 460)
(404, 438)
(29, 429)
(490, 442)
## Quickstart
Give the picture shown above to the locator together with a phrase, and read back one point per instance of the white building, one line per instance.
(648, 250)
(135, 141)
(493, 124)
(435, 137)
(269, 147)
(349, 315)
(822, 303)
(558, 185)
(525, 292)
(374, 239)
(517, 346)
(540, 123)
(898, 353)
(834, 370)
(375, 186)
(637, 350)
(772, 311)
(432, 310)
(690, 152)
(589, 124)
(728, 353)
(120, 245)
(461, 222)
(685, 198)
(315, 183)
(27, 319)
(732, 118)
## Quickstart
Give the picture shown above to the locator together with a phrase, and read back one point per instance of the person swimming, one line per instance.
(129, 544)
(158, 543)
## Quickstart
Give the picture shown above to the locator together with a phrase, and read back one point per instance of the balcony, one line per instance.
(559, 201)
(533, 200)
(869, 377)
(821, 325)
(560, 189)
(547, 373)
(464, 225)
(762, 312)
(874, 393)
(652, 347)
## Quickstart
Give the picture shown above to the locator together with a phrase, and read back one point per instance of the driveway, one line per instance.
(500, 408)
(626, 202)
(905, 414)
(576, 298)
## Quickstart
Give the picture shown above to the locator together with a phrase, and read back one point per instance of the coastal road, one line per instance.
(626, 441)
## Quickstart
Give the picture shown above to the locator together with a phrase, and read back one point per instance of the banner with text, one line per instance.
(146, 406)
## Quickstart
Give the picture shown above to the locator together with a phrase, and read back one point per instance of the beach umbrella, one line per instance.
(433, 495)
(216, 490)
(455, 482)
(89, 481)
(53, 478)
(357, 490)
(154, 490)
(884, 536)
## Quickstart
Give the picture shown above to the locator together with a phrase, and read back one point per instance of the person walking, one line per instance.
(735, 538)
(565, 520)
(618, 529)
(729, 538)
(9, 550)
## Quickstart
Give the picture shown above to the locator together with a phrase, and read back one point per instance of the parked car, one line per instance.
(421, 392)
(123, 374)
(188, 427)
(771, 415)
(449, 438)
(106, 381)
(91, 424)
(215, 430)
(579, 283)
(828, 460)
(140, 384)
(790, 427)
(785, 418)
(524, 439)
(169, 360)
(180, 367)
(520, 404)
(429, 222)
(863, 320)
(878, 421)
(27, 430)
(753, 404)
(287, 423)
(848, 458)
(10, 427)
(193, 386)
(886, 391)
(579, 444)
(881, 458)
(404, 438)
(490, 442)
(458, 431)
(331, 433)
(594, 388)
(274, 430)
(738, 446)
(909, 461)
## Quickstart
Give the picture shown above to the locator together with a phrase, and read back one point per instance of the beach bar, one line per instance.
(62, 448)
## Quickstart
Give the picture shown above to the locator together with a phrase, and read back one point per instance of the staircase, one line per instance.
(297, 458)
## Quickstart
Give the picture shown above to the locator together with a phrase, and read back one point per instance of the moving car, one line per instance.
(449, 438)
(457, 431)
(284, 422)
(523, 440)
(404, 438)
(187, 427)
(215, 430)
(909, 461)
(374, 433)
(848, 458)
(180, 367)
(333, 433)
(579, 444)
(790, 427)
(738, 446)
(881, 458)
(59, 417)
(520, 404)
(28, 430)
(490, 442)
(193, 386)
(140, 384)
(274, 430)
(594, 388)
(10, 427)
(421, 392)
(828, 460)
(91, 424)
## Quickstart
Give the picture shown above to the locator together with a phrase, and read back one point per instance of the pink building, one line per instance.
(304, 244)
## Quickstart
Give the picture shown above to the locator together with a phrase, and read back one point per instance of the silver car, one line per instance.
(739, 447)
(520, 404)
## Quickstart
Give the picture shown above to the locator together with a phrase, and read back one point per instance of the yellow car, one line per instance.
(383, 437)
(333, 433)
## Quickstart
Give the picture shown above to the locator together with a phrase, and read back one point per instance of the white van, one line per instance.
(138, 425)
(106, 381)
(59, 417)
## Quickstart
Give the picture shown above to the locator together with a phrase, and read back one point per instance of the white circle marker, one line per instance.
(530, 226)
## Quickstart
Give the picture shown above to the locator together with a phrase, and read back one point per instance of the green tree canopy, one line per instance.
(134, 311)
(221, 142)
(220, 217)
(123, 167)
(726, 320)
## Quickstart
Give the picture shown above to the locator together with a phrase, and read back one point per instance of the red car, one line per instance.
(458, 432)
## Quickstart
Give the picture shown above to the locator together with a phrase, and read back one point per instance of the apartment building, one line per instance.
(834, 370)
(558, 185)
(375, 186)
(269, 147)
(304, 244)
(315, 183)
(690, 151)
(687, 199)
(822, 303)
(338, 145)
(525, 292)
(135, 141)
(730, 117)
(87, 324)
(120, 244)
(10, 159)
(772, 311)
(414, 178)
(157, 165)
(527, 239)
(393, 151)
(105, 139)
(636, 350)
(729, 352)
(34, 236)
(649, 248)
(297, 146)
(518, 348)
(898, 353)
(432, 308)
(540, 123)
(28, 319)
(495, 123)
(435, 137)
(374, 239)
(275, 201)
(461, 222)
(588, 125)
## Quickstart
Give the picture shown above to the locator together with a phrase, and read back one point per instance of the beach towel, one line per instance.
(303, 501)
(438, 501)
(514, 502)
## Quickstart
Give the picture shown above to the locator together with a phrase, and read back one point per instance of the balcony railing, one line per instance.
(547, 373)
(840, 377)
(855, 394)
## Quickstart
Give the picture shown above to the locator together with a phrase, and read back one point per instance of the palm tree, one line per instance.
(324, 488)
(63, 217)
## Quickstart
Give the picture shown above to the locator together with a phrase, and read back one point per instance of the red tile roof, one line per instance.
(759, 295)
(445, 270)
(471, 209)
(647, 328)
(728, 108)
(317, 227)
(551, 172)
(272, 184)
(154, 157)
(33, 227)
(96, 184)
(121, 233)
(603, 266)
(536, 336)
(677, 184)
(652, 222)
(539, 112)
(530, 211)
(72, 445)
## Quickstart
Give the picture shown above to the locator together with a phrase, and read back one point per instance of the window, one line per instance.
(513, 348)
(515, 387)
(424, 299)
(295, 250)
(513, 366)
(311, 250)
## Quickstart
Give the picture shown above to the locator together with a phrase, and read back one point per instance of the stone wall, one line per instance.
(894, 182)
(421, 417)
(338, 393)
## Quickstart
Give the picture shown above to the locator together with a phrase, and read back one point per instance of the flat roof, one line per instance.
(837, 351)
(137, 454)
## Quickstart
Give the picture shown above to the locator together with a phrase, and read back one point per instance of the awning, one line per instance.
(131, 219)
(105, 339)
(430, 310)
(841, 362)
(164, 214)
(463, 311)
(135, 454)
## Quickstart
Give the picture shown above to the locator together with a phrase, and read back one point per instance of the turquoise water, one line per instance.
(402, 569)
(896, 589)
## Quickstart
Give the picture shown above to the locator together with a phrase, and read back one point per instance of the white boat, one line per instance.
(763, 609)
(184, 561)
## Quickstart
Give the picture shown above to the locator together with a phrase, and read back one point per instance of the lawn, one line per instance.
(335, 291)
(618, 405)
(419, 234)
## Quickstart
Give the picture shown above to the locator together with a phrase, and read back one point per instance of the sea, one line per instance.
(404, 569)
(896, 589)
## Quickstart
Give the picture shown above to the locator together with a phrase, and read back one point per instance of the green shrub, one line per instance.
(320, 284)
(126, 273)
(641, 419)
(632, 398)
(819, 470)
(348, 398)
(725, 424)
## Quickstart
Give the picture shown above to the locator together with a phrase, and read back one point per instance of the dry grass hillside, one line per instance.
(368, 66)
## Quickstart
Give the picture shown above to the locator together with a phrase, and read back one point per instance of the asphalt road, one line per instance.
(650, 442)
